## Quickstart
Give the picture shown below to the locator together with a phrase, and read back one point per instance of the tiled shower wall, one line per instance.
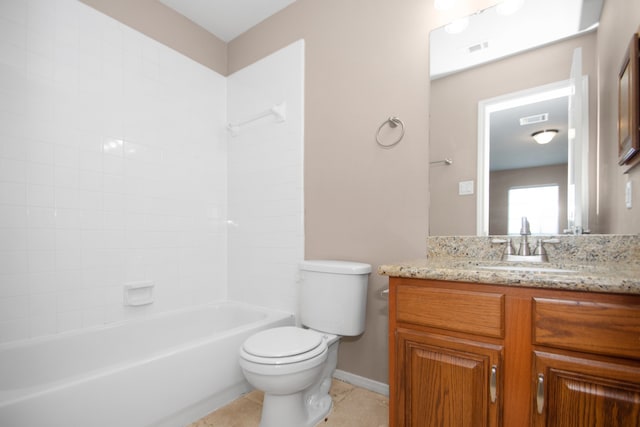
(266, 204)
(112, 170)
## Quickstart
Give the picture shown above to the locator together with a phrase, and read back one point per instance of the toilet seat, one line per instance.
(284, 345)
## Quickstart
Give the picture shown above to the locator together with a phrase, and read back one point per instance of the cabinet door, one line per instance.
(446, 381)
(572, 391)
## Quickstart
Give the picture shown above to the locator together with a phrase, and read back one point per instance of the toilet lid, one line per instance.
(284, 342)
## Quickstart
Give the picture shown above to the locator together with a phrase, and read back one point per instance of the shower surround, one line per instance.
(116, 167)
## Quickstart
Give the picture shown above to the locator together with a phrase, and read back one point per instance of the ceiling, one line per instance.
(512, 146)
(227, 19)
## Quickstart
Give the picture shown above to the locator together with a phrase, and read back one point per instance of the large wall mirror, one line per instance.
(486, 108)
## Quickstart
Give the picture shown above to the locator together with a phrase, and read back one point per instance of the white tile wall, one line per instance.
(113, 168)
(266, 204)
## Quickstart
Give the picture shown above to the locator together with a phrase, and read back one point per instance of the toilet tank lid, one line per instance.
(334, 266)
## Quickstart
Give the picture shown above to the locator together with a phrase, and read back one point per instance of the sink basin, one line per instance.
(526, 268)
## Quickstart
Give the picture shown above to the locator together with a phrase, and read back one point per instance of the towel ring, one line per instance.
(393, 122)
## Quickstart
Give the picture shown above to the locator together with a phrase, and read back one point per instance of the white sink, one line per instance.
(526, 269)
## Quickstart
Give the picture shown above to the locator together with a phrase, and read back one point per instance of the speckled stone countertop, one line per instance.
(592, 263)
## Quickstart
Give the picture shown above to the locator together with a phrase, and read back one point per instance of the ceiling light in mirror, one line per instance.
(544, 136)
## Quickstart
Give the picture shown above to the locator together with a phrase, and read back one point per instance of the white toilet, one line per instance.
(294, 366)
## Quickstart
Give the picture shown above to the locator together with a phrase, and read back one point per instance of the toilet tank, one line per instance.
(333, 296)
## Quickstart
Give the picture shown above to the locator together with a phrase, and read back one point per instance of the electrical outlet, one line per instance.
(627, 195)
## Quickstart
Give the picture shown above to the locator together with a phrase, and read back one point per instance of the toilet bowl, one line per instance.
(286, 363)
(294, 365)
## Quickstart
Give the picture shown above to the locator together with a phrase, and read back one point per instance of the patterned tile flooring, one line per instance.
(352, 407)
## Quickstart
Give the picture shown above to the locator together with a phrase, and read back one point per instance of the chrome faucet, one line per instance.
(525, 231)
(524, 251)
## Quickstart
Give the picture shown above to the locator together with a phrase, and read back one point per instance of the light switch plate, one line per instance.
(465, 188)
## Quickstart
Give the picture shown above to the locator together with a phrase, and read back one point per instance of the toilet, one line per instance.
(293, 366)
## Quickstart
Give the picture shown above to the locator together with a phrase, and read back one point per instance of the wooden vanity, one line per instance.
(483, 355)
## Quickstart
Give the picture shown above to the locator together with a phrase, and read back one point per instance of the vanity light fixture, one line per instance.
(544, 136)
(444, 4)
(509, 7)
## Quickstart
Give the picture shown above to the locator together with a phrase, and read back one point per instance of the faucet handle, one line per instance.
(540, 245)
(552, 240)
(540, 250)
(508, 249)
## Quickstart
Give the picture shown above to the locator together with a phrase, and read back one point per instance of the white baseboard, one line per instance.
(358, 381)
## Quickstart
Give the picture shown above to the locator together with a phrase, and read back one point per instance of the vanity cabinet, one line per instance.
(471, 355)
(447, 381)
(579, 391)
(586, 362)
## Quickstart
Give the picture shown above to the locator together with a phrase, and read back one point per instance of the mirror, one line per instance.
(517, 164)
(457, 92)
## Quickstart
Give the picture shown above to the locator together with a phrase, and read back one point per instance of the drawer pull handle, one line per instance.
(493, 381)
(540, 393)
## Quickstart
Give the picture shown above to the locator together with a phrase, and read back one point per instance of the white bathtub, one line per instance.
(167, 370)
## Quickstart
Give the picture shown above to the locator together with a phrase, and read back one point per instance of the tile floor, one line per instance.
(352, 407)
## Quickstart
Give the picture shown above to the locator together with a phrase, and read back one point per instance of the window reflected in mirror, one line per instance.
(540, 204)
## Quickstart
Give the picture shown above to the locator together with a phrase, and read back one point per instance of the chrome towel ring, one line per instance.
(393, 122)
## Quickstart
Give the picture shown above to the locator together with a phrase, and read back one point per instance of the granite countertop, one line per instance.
(589, 278)
(474, 260)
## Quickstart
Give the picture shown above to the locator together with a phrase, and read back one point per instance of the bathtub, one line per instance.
(165, 370)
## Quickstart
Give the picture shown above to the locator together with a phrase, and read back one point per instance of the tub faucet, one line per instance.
(525, 231)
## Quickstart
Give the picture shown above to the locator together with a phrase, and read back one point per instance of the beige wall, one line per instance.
(620, 19)
(163, 24)
(454, 121)
(500, 182)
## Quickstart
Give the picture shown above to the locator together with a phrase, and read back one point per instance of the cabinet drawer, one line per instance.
(588, 326)
(464, 311)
